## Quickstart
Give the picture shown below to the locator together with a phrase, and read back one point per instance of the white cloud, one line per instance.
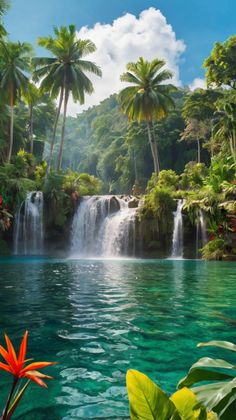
(197, 83)
(125, 40)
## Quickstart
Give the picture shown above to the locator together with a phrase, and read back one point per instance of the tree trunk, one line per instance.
(198, 151)
(63, 130)
(153, 146)
(233, 145)
(11, 126)
(135, 168)
(31, 134)
(55, 129)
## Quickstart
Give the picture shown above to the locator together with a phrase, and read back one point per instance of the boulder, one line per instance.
(133, 203)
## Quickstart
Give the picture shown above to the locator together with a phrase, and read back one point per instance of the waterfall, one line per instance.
(177, 239)
(103, 226)
(201, 232)
(28, 227)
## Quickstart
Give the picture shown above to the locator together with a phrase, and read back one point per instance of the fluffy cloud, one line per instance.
(198, 83)
(125, 40)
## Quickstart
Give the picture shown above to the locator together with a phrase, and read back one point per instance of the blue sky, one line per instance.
(199, 23)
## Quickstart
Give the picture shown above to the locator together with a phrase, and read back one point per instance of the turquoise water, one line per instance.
(99, 318)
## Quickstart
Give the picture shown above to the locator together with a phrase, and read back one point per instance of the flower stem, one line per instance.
(4, 414)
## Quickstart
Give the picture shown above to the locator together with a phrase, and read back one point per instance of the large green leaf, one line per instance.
(208, 362)
(147, 400)
(199, 375)
(222, 344)
(187, 405)
(211, 395)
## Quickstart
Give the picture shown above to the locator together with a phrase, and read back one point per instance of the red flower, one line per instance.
(15, 365)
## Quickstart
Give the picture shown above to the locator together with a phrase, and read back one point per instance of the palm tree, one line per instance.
(64, 73)
(148, 99)
(4, 6)
(14, 63)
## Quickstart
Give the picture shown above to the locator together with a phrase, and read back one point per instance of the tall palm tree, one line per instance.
(148, 99)
(14, 63)
(64, 73)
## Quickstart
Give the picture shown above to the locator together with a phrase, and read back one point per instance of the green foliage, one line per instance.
(15, 179)
(83, 184)
(149, 402)
(159, 205)
(62, 190)
(193, 175)
(219, 395)
(5, 219)
(214, 249)
(165, 179)
(224, 126)
(220, 64)
(221, 170)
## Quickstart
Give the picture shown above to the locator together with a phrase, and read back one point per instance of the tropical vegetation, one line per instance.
(154, 140)
(214, 397)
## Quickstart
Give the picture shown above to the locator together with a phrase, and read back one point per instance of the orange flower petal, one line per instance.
(11, 352)
(37, 365)
(38, 374)
(36, 380)
(23, 347)
(5, 355)
(5, 367)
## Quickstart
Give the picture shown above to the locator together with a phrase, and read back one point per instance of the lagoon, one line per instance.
(98, 318)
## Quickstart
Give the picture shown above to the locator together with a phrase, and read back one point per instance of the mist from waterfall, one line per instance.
(177, 238)
(28, 226)
(103, 226)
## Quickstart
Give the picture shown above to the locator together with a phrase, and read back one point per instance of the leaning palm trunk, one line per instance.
(198, 151)
(153, 147)
(55, 128)
(11, 127)
(63, 130)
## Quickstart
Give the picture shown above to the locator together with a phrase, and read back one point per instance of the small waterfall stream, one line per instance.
(103, 226)
(28, 228)
(177, 239)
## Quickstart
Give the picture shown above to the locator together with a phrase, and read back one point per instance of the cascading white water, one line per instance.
(201, 232)
(28, 227)
(177, 239)
(103, 226)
